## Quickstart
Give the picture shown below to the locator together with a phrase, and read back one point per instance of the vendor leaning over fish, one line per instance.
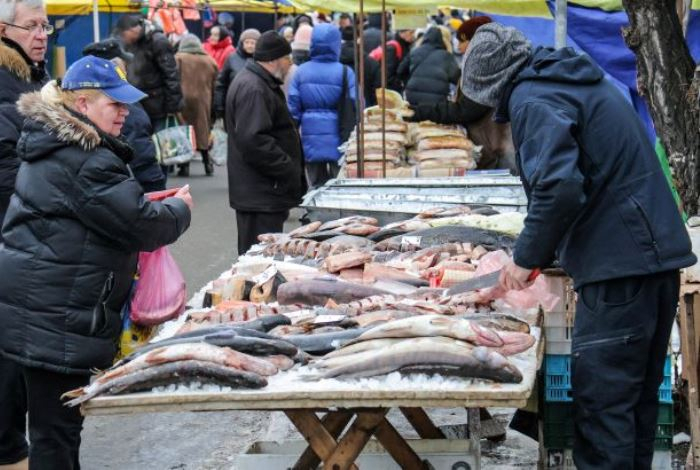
(598, 202)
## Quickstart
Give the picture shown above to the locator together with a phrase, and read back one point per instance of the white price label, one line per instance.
(329, 318)
(265, 276)
(410, 241)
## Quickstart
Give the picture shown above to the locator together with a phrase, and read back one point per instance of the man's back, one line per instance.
(579, 141)
(265, 160)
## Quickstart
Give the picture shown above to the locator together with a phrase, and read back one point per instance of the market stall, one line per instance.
(344, 311)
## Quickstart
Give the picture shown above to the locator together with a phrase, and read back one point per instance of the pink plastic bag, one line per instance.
(160, 289)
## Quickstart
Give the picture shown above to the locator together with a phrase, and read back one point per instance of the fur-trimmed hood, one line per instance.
(57, 120)
(13, 61)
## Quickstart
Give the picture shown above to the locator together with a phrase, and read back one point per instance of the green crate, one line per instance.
(558, 426)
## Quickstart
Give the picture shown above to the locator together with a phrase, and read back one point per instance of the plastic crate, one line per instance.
(558, 331)
(558, 426)
(563, 459)
(557, 379)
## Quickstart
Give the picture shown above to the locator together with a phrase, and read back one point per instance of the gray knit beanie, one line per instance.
(494, 57)
(190, 44)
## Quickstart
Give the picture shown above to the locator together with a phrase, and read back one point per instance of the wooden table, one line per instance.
(337, 423)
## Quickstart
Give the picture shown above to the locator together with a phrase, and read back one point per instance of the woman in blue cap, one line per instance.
(74, 227)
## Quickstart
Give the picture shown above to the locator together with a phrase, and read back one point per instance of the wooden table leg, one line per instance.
(334, 422)
(320, 440)
(397, 447)
(355, 439)
(421, 422)
(490, 428)
(692, 368)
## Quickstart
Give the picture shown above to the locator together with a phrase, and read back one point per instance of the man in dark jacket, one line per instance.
(234, 64)
(494, 137)
(396, 50)
(372, 76)
(429, 70)
(599, 202)
(153, 68)
(265, 161)
(24, 30)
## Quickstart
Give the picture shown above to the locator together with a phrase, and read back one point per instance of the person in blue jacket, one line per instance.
(314, 95)
(599, 202)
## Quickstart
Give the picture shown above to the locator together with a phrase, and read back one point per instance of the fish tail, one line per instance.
(78, 392)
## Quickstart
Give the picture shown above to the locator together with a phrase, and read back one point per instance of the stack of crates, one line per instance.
(558, 419)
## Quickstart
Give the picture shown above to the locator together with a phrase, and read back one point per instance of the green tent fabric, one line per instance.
(663, 160)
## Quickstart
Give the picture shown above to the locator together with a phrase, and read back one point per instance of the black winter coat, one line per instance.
(75, 224)
(18, 75)
(138, 132)
(153, 70)
(373, 73)
(429, 70)
(234, 64)
(265, 158)
(598, 198)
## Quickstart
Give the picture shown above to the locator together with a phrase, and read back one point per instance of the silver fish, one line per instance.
(167, 374)
(462, 358)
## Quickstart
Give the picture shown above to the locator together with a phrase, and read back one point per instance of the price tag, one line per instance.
(329, 318)
(265, 276)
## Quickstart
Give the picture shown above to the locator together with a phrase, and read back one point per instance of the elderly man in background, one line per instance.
(265, 161)
(24, 32)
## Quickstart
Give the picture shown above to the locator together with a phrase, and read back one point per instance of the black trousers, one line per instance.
(54, 429)
(252, 224)
(318, 173)
(620, 342)
(13, 411)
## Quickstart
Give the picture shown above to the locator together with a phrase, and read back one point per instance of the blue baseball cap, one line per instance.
(92, 72)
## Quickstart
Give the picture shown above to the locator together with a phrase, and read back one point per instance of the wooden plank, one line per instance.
(397, 447)
(334, 422)
(158, 403)
(690, 309)
(421, 422)
(351, 445)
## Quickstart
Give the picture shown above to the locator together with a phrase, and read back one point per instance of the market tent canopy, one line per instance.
(84, 7)
(534, 8)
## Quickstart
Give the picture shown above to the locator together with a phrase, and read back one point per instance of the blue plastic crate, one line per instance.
(557, 379)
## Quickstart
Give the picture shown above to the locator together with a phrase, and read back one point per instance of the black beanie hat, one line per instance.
(271, 46)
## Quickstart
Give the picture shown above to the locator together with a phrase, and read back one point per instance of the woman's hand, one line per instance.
(184, 194)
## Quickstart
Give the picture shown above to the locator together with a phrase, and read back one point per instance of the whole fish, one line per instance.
(399, 228)
(362, 346)
(471, 361)
(323, 343)
(167, 374)
(305, 229)
(244, 344)
(449, 234)
(320, 235)
(331, 224)
(358, 229)
(319, 291)
(435, 325)
(380, 316)
(349, 241)
(191, 351)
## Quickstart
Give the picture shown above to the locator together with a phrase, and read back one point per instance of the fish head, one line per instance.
(515, 342)
(486, 336)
